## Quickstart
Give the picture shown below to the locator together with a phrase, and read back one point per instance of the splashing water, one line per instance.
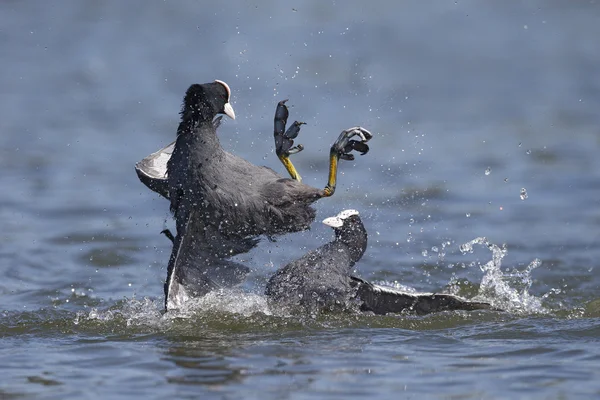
(132, 312)
(149, 313)
(396, 285)
(523, 194)
(507, 291)
(233, 301)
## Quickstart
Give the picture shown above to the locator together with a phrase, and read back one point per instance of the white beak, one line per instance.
(334, 222)
(338, 220)
(228, 110)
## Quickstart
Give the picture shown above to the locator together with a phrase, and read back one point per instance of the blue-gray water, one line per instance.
(450, 89)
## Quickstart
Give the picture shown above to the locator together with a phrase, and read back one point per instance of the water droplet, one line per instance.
(528, 151)
(523, 194)
(424, 253)
(505, 180)
(488, 170)
(468, 215)
(466, 248)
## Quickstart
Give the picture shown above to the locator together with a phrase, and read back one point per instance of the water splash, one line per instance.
(233, 301)
(131, 312)
(523, 194)
(149, 313)
(507, 291)
(236, 309)
(396, 285)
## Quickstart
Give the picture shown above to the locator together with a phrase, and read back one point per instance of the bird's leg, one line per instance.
(284, 140)
(341, 149)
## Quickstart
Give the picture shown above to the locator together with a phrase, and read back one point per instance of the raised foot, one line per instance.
(345, 144)
(284, 140)
(341, 149)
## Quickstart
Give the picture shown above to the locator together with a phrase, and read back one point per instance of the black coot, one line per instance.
(322, 280)
(236, 200)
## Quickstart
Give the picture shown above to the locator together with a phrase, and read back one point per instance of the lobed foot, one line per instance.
(345, 144)
(342, 149)
(284, 139)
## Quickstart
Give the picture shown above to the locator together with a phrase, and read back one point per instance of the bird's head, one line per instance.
(350, 230)
(344, 219)
(207, 100)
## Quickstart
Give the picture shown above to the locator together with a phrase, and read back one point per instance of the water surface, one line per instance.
(470, 103)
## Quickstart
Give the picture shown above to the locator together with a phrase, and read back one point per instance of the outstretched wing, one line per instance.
(152, 169)
(383, 300)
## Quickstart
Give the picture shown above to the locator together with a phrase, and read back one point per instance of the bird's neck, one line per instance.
(200, 136)
(356, 242)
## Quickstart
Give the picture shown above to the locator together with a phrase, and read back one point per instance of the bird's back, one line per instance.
(318, 280)
(242, 199)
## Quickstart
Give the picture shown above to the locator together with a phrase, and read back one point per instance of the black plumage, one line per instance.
(322, 280)
(234, 200)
